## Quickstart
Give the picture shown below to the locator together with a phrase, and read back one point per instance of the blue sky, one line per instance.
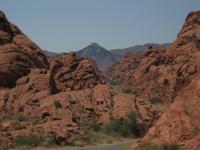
(61, 25)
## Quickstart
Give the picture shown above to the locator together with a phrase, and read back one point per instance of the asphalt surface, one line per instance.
(116, 146)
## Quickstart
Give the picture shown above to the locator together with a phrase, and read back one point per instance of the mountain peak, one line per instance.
(103, 57)
(94, 44)
(94, 47)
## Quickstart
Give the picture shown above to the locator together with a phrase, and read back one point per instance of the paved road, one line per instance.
(116, 146)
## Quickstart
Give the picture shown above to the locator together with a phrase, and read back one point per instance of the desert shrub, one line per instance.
(18, 117)
(1, 42)
(118, 127)
(146, 70)
(50, 140)
(156, 101)
(57, 104)
(135, 91)
(151, 146)
(94, 126)
(4, 109)
(2, 118)
(171, 147)
(137, 129)
(22, 118)
(116, 82)
(90, 137)
(125, 90)
(130, 91)
(31, 140)
(35, 120)
(82, 140)
(126, 126)
(17, 125)
(35, 140)
(73, 66)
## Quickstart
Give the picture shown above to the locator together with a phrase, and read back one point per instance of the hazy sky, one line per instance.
(61, 25)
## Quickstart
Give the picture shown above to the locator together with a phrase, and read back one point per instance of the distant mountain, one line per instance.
(137, 48)
(49, 53)
(103, 57)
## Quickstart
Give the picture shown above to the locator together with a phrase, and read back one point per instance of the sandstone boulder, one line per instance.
(18, 54)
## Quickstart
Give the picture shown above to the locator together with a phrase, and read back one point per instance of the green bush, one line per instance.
(35, 121)
(57, 104)
(171, 147)
(124, 90)
(130, 91)
(35, 140)
(81, 140)
(151, 146)
(117, 127)
(126, 126)
(94, 126)
(116, 82)
(31, 140)
(17, 125)
(22, 118)
(156, 101)
(73, 66)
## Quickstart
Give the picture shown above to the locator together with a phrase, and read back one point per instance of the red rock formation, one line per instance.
(160, 72)
(57, 96)
(18, 54)
(127, 67)
(73, 72)
(181, 122)
(29, 87)
(65, 110)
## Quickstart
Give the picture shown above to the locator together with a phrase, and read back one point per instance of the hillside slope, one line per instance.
(179, 68)
(100, 55)
(58, 97)
(138, 48)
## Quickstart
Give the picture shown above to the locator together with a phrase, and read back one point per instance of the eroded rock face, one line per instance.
(161, 72)
(73, 72)
(62, 114)
(18, 54)
(55, 94)
(180, 123)
(48, 96)
(55, 97)
(127, 67)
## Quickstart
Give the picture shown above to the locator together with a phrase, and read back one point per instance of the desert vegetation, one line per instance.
(57, 104)
(32, 141)
(156, 101)
(118, 86)
(151, 146)
(115, 130)
(126, 127)
(130, 91)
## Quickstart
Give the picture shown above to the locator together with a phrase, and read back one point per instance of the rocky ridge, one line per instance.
(180, 65)
(17, 51)
(162, 72)
(103, 57)
(55, 96)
